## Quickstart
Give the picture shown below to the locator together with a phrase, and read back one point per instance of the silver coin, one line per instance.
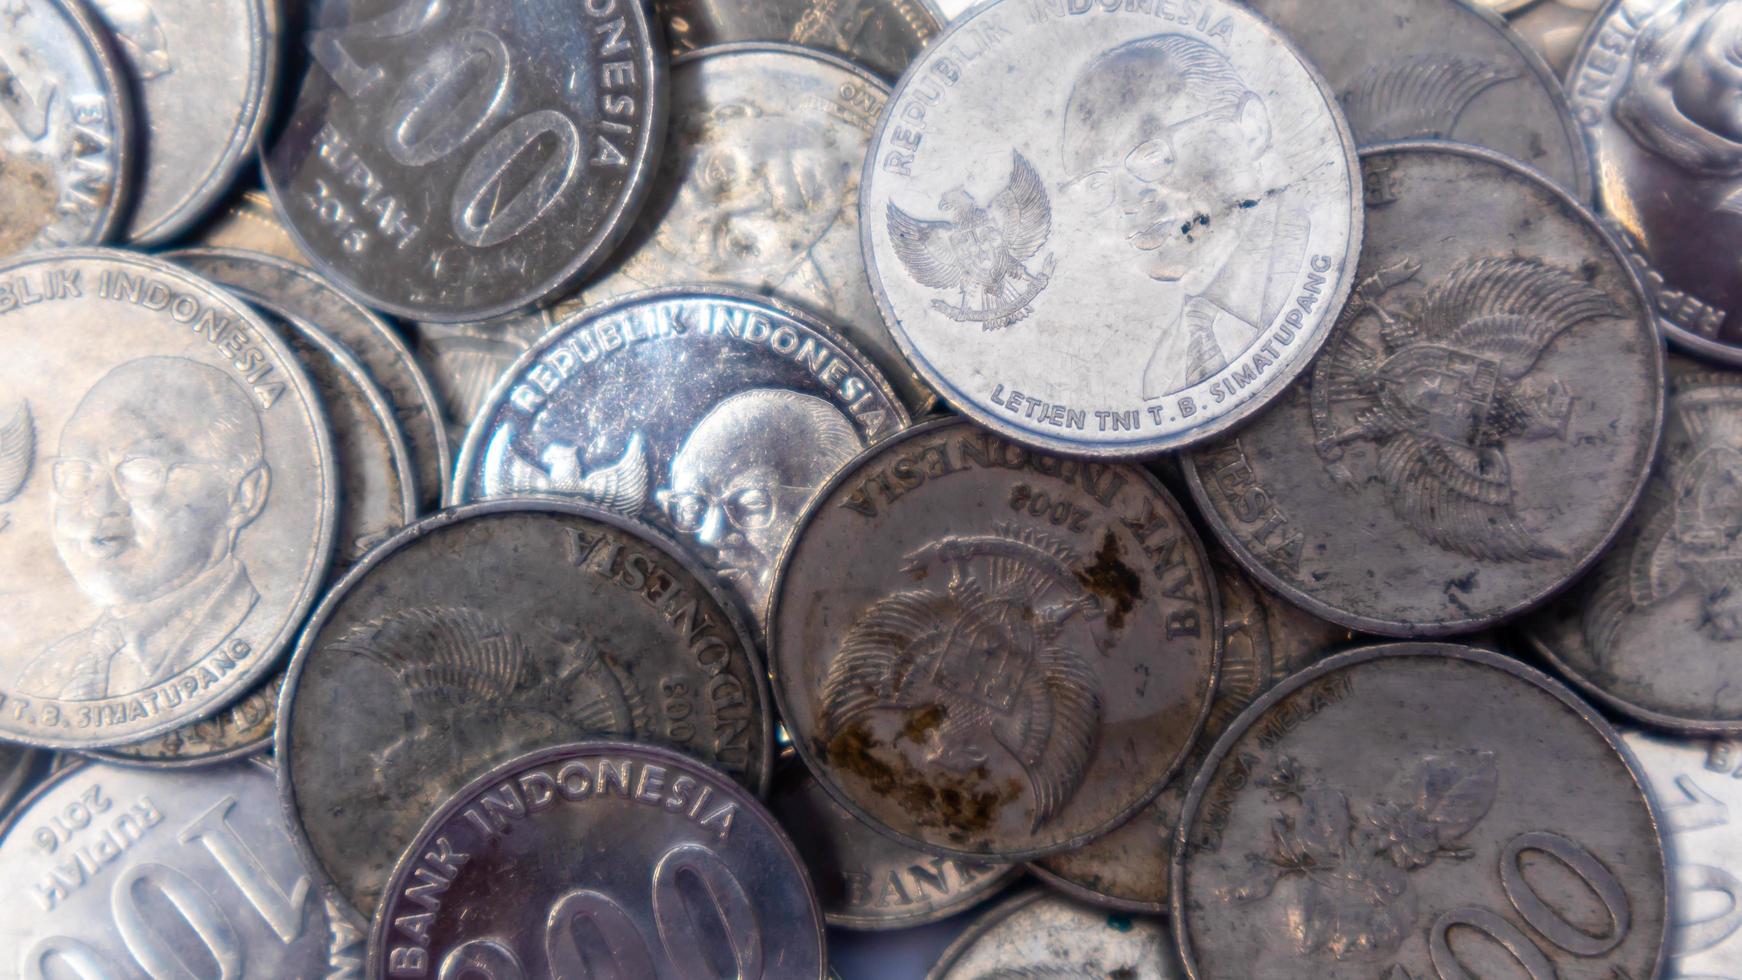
(1038, 936)
(241, 730)
(203, 76)
(1507, 7)
(136, 874)
(773, 403)
(865, 880)
(1657, 91)
(883, 35)
(167, 498)
(600, 858)
(1016, 657)
(66, 128)
(465, 361)
(454, 160)
(1419, 811)
(1554, 29)
(248, 223)
(1479, 424)
(1440, 69)
(1109, 230)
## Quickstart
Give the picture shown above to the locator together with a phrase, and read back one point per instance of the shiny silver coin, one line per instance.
(863, 879)
(241, 730)
(1657, 89)
(1047, 937)
(713, 415)
(1419, 811)
(1479, 424)
(440, 166)
(168, 498)
(203, 77)
(489, 631)
(465, 361)
(18, 764)
(600, 858)
(1440, 69)
(990, 652)
(137, 874)
(1554, 29)
(66, 128)
(248, 223)
(1109, 230)
(883, 35)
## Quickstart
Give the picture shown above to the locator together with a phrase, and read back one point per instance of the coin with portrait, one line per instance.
(1038, 934)
(883, 35)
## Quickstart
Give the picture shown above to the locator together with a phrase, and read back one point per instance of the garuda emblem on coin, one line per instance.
(620, 487)
(17, 450)
(979, 251)
(987, 656)
(1418, 96)
(1448, 383)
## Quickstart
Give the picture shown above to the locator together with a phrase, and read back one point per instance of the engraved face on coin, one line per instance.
(1419, 811)
(1479, 424)
(882, 34)
(600, 856)
(1141, 250)
(440, 166)
(1041, 935)
(167, 498)
(483, 633)
(66, 128)
(1016, 653)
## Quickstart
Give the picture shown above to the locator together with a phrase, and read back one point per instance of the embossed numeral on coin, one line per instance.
(442, 105)
(480, 218)
(328, 44)
(689, 879)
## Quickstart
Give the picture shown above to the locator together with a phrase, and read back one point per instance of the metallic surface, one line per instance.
(18, 763)
(240, 730)
(249, 224)
(465, 361)
(1479, 424)
(883, 35)
(1047, 936)
(1554, 28)
(1419, 811)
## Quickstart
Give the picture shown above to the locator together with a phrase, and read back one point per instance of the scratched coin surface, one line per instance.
(988, 651)
(454, 160)
(1111, 229)
(714, 416)
(1658, 89)
(1479, 424)
(486, 632)
(883, 35)
(1419, 811)
(168, 498)
(66, 128)
(1041, 935)
(600, 858)
(124, 873)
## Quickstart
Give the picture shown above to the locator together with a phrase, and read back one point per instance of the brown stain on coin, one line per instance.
(28, 196)
(960, 805)
(920, 721)
(1111, 579)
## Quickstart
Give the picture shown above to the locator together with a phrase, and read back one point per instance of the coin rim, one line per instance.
(983, 923)
(118, 101)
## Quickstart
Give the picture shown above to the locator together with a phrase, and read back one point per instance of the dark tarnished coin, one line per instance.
(884, 35)
(1046, 937)
(863, 879)
(454, 160)
(66, 128)
(1111, 229)
(1479, 424)
(1554, 28)
(122, 873)
(1419, 811)
(249, 224)
(600, 859)
(465, 361)
(715, 416)
(988, 651)
(167, 498)
(489, 631)
(1658, 88)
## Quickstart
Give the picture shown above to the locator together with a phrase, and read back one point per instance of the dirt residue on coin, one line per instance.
(28, 196)
(1112, 580)
(920, 721)
(959, 804)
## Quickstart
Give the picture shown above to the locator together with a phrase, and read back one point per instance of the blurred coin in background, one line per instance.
(883, 35)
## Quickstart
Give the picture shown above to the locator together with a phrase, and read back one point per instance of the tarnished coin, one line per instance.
(203, 76)
(1264, 640)
(1657, 86)
(1111, 229)
(454, 160)
(241, 730)
(600, 858)
(714, 416)
(1554, 28)
(66, 128)
(483, 633)
(465, 361)
(1419, 811)
(167, 498)
(881, 34)
(1015, 654)
(1039, 935)
(863, 879)
(123, 873)
(248, 223)
(1479, 424)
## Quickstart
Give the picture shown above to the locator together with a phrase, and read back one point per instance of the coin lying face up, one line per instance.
(882, 34)
(1045, 936)
(1141, 249)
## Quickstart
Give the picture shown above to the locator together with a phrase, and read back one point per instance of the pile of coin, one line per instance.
(712, 488)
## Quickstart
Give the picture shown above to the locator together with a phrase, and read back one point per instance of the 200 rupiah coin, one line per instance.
(884, 35)
(1141, 251)
(1479, 424)
(988, 651)
(1042, 935)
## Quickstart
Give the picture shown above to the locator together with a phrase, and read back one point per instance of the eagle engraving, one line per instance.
(1418, 96)
(989, 653)
(1449, 382)
(979, 252)
(17, 451)
(620, 487)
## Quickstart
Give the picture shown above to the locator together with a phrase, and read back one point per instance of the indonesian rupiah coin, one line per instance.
(1419, 810)
(884, 35)
(1041, 935)
(248, 223)
(168, 494)
(600, 858)
(465, 361)
(1554, 28)
(1110, 229)
(243, 729)
(455, 161)
(1478, 426)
